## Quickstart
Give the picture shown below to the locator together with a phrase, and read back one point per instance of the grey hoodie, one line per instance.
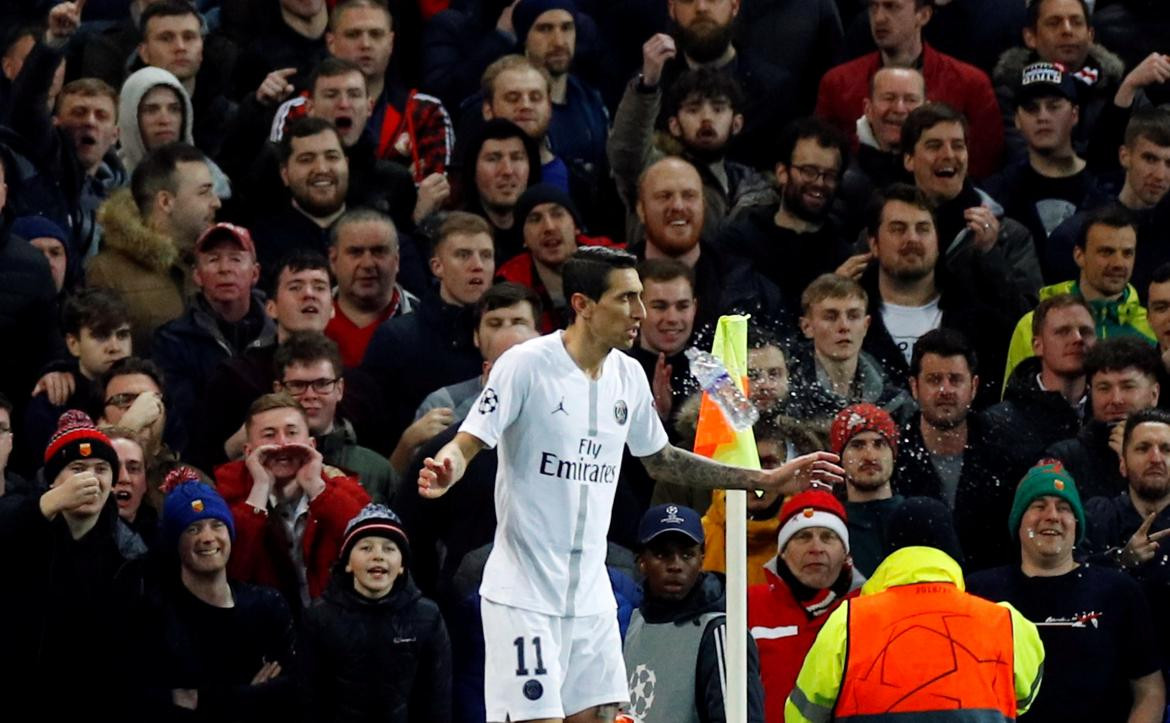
(132, 149)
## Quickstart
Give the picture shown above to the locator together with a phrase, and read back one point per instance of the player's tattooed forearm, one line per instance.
(679, 466)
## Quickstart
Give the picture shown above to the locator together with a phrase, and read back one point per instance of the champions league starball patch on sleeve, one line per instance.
(620, 412)
(489, 401)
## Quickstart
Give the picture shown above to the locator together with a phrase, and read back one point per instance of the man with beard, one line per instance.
(703, 112)
(282, 490)
(935, 151)
(364, 258)
(1095, 624)
(1122, 375)
(911, 292)
(796, 240)
(866, 438)
(1105, 254)
(315, 170)
(547, 30)
(947, 452)
(701, 36)
(337, 93)
(670, 208)
(1126, 528)
(1046, 398)
(893, 94)
(150, 230)
(897, 26)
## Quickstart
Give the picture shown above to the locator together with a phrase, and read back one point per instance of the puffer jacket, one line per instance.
(146, 268)
(385, 660)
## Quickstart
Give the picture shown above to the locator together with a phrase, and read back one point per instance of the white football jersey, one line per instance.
(561, 437)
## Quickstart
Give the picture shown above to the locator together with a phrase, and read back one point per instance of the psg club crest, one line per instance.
(620, 413)
(488, 401)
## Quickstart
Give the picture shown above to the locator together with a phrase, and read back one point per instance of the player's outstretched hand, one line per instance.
(800, 473)
(435, 478)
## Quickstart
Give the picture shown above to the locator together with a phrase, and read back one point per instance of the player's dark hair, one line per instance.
(587, 271)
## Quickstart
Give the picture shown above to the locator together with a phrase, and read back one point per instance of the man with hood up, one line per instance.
(154, 110)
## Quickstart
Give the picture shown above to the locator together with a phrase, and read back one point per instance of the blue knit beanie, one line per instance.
(189, 502)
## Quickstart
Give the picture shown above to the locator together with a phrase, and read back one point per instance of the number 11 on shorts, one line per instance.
(520, 669)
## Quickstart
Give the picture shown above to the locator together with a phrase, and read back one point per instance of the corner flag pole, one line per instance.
(717, 439)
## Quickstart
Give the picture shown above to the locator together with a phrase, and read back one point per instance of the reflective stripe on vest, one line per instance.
(928, 652)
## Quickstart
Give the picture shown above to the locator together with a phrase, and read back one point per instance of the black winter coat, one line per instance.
(984, 497)
(385, 660)
(1031, 418)
(1091, 461)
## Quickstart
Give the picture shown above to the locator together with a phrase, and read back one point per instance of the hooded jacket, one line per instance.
(133, 147)
(704, 606)
(366, 660)
(930, 572)
(1122, 317)
(145, 267)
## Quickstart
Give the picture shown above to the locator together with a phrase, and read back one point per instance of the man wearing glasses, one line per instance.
(308, 368)
(132, 394)
(796, 240)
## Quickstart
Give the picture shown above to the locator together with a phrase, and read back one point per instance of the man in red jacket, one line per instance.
(290, 509)
(806, 581)
(896, 26)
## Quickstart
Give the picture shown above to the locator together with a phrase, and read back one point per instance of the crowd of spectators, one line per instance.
(259, 257)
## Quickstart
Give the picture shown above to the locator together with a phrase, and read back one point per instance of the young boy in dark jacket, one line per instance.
(373, 648)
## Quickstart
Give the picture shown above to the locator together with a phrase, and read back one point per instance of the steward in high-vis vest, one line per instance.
(916, 646)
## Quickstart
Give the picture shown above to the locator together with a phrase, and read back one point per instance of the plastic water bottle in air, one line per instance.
(715, 380)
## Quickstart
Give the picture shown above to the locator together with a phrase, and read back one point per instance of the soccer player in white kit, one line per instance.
(561, 408)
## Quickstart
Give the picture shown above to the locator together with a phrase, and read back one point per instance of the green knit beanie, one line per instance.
(1047, 478)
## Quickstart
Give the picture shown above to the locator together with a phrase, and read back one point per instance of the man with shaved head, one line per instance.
(670, 208)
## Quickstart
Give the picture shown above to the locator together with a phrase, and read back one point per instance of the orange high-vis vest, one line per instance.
(928, 649)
